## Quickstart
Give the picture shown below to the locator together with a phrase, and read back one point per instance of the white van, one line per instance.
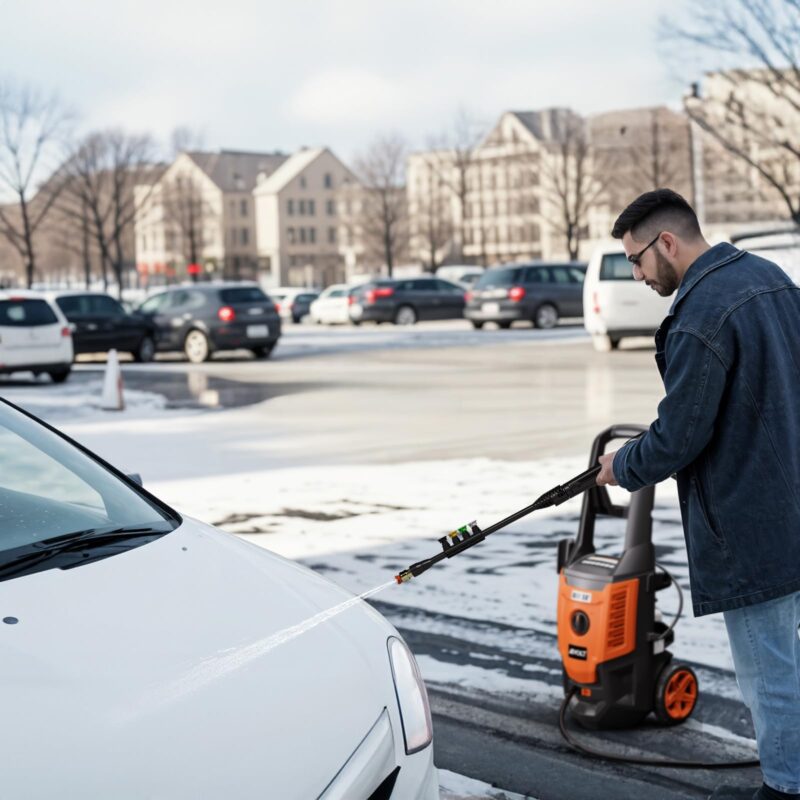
(614, 304)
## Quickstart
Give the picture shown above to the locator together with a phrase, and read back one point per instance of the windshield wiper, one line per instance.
(77, 541)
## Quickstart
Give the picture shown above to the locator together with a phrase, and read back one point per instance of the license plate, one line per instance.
(257, 331)
(490, 308)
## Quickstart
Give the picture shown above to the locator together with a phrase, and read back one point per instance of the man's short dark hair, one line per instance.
(654, 212)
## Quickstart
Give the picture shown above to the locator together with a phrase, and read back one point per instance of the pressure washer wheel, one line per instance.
(675, 694)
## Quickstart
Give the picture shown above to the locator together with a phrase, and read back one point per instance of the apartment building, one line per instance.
(496, 203)
(298, 219)
(199, 217)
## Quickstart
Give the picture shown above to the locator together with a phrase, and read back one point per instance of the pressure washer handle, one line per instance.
(580, 483)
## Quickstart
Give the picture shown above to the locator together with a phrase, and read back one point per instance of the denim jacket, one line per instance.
(729, 426)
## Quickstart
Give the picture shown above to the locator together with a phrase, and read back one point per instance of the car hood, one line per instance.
(152, 674)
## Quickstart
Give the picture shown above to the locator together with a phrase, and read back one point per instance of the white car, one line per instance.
(146, 654)
(615, 305)
(34, 336)
(332, 306)
(292, 303)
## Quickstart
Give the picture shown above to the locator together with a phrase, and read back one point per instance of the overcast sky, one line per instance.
(268, 75)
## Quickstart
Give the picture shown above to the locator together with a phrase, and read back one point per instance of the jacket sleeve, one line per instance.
(694, 380)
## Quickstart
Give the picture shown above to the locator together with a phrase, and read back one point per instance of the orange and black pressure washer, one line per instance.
(613, 644)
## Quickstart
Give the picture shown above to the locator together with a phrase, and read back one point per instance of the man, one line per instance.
(729, 426)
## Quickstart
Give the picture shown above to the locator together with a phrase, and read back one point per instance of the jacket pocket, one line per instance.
(697, 493)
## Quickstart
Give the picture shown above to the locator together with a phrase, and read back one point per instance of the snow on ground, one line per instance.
(459, 787)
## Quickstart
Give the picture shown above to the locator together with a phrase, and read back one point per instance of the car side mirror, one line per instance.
(135, 477)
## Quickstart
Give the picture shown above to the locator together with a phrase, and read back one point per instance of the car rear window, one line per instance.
(499, 277)
(243, 294)
(26, 313)
(616, 267)
(74, 305)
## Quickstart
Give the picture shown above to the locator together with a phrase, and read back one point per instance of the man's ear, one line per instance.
(669, 243)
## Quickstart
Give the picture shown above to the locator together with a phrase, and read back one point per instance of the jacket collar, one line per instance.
(714, 257)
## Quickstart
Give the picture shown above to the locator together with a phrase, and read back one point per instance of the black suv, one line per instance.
(404, 302)
(202, 318)
(538, 292)
(100, 323)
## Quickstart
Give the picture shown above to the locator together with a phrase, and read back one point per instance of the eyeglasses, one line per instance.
(635, 258)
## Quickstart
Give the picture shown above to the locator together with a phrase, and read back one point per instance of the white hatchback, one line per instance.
(332, 306)
(34, 336)
(146, 654)
(615, 305)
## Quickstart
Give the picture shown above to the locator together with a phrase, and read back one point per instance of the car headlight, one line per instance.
(415, 712)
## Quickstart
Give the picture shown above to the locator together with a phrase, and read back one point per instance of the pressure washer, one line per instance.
(617, 668)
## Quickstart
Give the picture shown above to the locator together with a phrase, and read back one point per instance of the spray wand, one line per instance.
(468, 535)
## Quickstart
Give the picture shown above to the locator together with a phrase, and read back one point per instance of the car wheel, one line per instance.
(264, 351)
(59, 375)
(405, 315)
(196, 347)
(505, 325)
(476, 324)
(546, 316)
(146, 350)
(355, 322)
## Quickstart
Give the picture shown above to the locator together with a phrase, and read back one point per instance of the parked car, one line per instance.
(463, 274)
(407, 301)
(615, 305)
(34, 336)
(333, 305)
(148, 643)
(293, 304)
(537, 292)
(101, 323)
(203, 318)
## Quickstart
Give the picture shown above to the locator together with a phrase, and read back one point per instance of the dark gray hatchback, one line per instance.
(405, 301)
(203, 318)
(537, 292)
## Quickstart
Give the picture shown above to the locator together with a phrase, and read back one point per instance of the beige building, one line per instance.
(298, 220)
(202, 212)
(500, 198)
(732, 194)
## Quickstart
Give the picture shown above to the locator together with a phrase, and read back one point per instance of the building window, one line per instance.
(312, 235)
(302, 209)
(331, 235)
(290, 235)
(290, 207)
(302, 181)
(302, 235)
(292, 261)
(330, 207)
(244, 236)
(243, 207)
(232, 237)
(328, 180)
(311, 209)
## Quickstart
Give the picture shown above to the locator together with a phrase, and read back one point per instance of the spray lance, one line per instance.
(468, 535)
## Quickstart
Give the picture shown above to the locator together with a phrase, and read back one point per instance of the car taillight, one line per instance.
(382, 291)
(65, 331)
(351, 298)
(516, 293)
(468, 296)
(596, 302)
(226, 314)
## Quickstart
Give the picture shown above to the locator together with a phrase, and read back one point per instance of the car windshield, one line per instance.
(26, 313)
(49, 488)
(498, 277)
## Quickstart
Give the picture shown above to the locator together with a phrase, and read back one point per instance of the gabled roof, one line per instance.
(290, 169)
(235, 171)
(548, 124)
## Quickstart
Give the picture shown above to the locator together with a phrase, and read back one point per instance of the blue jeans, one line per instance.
(765, 642)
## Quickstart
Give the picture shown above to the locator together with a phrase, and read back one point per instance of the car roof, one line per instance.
(21, 294)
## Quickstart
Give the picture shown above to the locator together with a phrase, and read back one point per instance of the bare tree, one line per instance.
(100, 180)
(383, 215)
(432, 221)
(572, 182)
(753, 46)
(454, 160)
(33, 129)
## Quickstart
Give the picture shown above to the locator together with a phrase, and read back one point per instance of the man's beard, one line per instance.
(667, 280)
